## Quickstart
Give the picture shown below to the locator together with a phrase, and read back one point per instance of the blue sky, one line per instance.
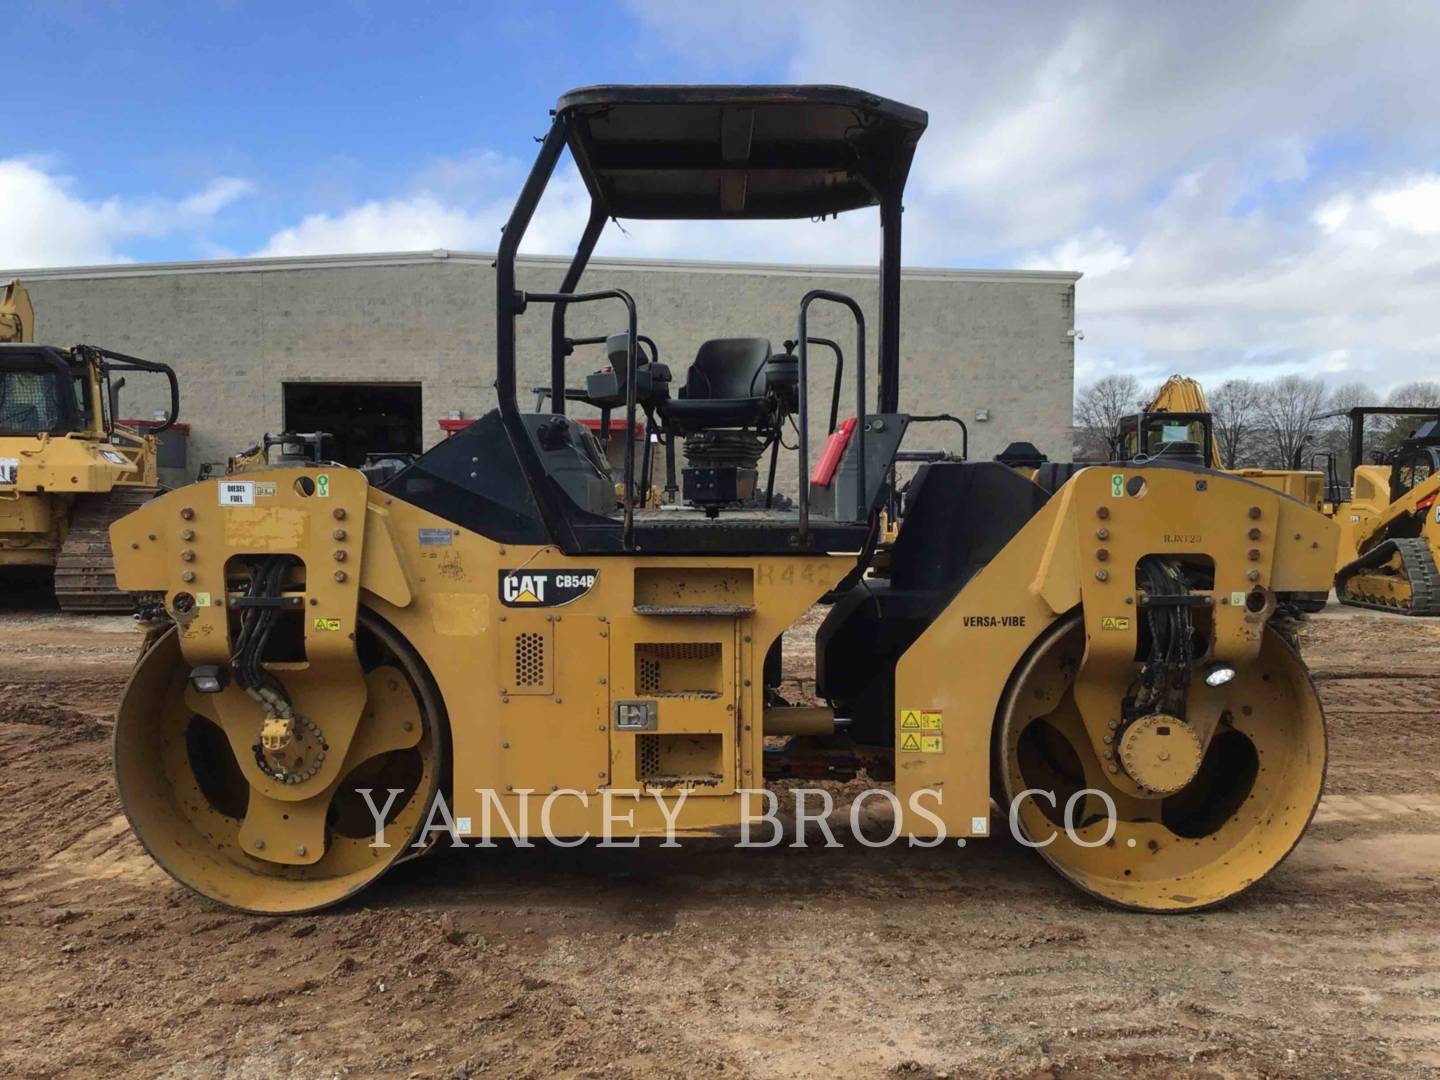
(317, 105)
(1248, 189)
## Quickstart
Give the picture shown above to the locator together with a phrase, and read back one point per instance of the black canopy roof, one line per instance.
(739, 151)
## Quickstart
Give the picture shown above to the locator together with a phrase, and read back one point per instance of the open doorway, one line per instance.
(365, 418)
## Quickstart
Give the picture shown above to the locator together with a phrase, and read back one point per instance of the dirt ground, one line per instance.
(712, 962)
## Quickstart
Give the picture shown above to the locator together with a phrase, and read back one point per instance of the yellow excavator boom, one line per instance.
(1180, 394)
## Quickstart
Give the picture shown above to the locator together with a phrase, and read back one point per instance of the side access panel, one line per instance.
(552, 712)
(674, 704)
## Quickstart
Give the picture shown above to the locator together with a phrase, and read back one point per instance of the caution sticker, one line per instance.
(922, 742)
(921, 720)
(1114, 622)
(264, 491)
(327, 624)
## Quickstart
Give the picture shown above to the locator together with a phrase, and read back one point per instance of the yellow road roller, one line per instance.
(504, 632)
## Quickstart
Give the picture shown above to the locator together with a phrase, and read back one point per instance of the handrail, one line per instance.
(939, 418)
(861, 510)
(628, 534)
(834, 346)
(109, 361)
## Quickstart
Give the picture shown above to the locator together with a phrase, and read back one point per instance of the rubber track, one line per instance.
(1420, 571)
(85, 567)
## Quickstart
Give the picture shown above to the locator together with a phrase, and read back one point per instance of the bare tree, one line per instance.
(1235, 414)
(1288, 408)
(1332, 435)
(1390, 431)
(1423, 395)
(1098, 409)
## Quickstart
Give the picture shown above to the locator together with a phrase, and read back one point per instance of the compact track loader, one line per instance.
(1389, 516)
(67, 468)
(1102, 646)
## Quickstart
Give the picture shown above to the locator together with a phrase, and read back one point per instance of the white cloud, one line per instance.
(43, 222)
(408, 224)
(1348, 290)
(1413, 205)
(215, 196)
(462, 203)
(1247, 188)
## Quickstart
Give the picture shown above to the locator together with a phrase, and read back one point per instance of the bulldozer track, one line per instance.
(85, 567)
(1420, 572)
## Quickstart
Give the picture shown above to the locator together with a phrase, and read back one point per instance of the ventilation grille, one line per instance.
(647, 680)
(684, 669)
(529, 660)
(679, 760)
(647, 757)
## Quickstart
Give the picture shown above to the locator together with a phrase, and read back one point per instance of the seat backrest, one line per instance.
(727, 368)
(617, 351)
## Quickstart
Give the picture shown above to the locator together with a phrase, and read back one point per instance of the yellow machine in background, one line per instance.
(1179, 415)
(17, 314)
(67, 470)
(1178, 424)
(1389, 516)
(495, 626)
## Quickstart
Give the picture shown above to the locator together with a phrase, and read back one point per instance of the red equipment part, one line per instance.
(833, 452)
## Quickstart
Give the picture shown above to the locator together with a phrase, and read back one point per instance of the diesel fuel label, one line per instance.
(545, 588)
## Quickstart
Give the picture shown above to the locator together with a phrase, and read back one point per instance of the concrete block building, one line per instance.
(381, 348)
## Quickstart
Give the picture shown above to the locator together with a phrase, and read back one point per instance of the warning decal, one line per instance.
(327, 624)
(920, 731)
(921, 720)
(926, 743)
(1114, 622)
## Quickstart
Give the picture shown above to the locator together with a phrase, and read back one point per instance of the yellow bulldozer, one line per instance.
(67, 468)
(1389, 514)
(496, 642)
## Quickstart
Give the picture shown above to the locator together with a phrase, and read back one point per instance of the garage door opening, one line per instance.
(365, 418)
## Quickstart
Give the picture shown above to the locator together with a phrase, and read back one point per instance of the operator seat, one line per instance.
(724, 388)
